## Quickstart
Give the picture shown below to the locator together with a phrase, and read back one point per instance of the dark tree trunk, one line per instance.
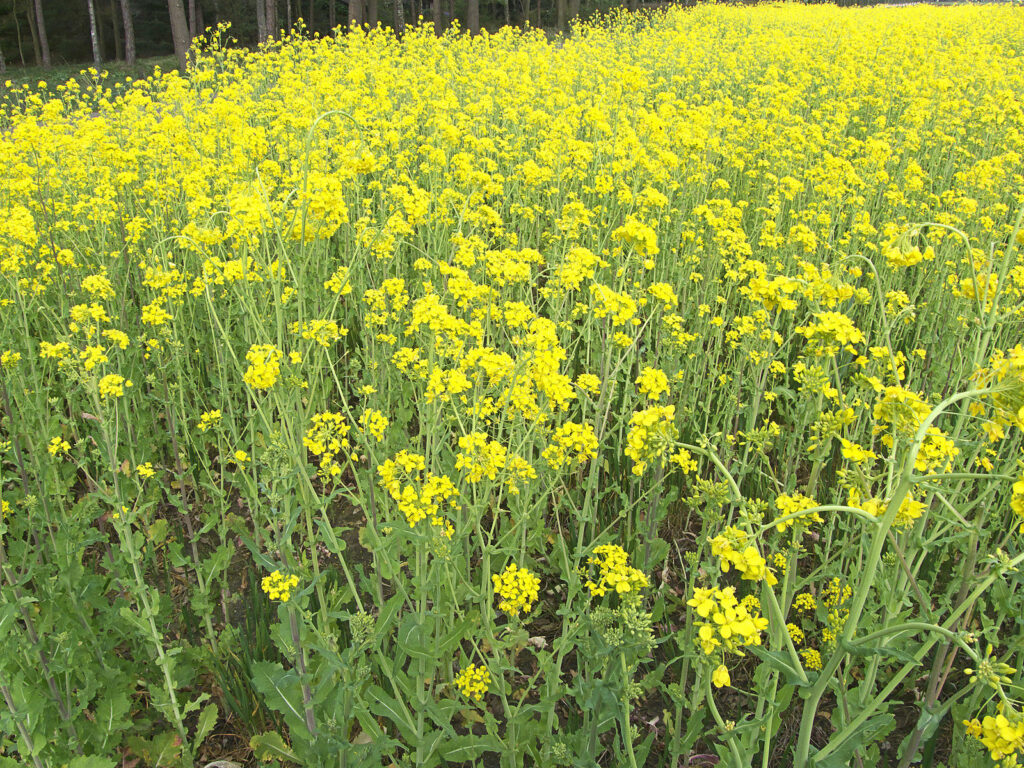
(332, 14)
(288, 13)
(438, 22)
(399, 17)
(310, 19)
(272, 27)
(261, 21)
(574, 9)
(371, 13)
(193, 20)
(129, 31)
(562, 9)
(34, 29)
(115, 19)
(44, 45)
(179, 33)
(94, 34)
(355, 13)
(17, 32)
(473, 16)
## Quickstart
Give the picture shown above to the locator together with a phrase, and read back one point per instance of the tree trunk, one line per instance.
(332, 14)
(261, 21)
(17, 32)
(399, 17)
(179, 33)
(526, 13)
(34, 29)
(44, 45)
(371, 13)
(94, 35)
(574, 9)
(193, 20)
(355, 13)
(473, 16)
(288, 13)
(450, 16)
(562, 9)
(310, 19)
(118, 39)
(272, 28)
(129, 31)
(438, 22)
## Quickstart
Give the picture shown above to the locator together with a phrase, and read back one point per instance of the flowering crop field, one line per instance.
(647, 397)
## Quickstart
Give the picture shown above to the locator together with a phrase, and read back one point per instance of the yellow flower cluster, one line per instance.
(264, 366)
(732, 548)
(517, 589)
(794, 504)
(731, 624)
(327, 438)
(420, 495)
(113, 385)
(278, 586)
(614, 572)
(374, 423)
(652, 382)
(208, 420)
(652, 433)
(1002, 735)
(572, 445)
(58, 446)
(472, 681)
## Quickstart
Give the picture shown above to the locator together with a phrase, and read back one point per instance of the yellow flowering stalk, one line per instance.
(614, 573)
(517, 589)
(472, 681)
(278, 586)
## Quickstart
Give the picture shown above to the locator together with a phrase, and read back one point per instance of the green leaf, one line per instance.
(207, 721)
(460, 749)
(92, 762)
(782, 662)
(414, 638)
(857, 649)
(282, 692)
(270, 746)
(383, 705)
(874, 729)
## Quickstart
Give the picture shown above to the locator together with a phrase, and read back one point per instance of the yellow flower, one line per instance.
(614, 572)
(58, 446)
(264, 366)
(473, 681)
(720, 677)
(113, 385)
(518, 589)
(209, 419)
(278, 586)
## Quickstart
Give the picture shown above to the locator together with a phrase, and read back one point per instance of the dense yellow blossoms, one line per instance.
(279, 586)
(264, 366)
(502, 288)
(728, 623)
(517, 589)
(472, 681)
(614, 573)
